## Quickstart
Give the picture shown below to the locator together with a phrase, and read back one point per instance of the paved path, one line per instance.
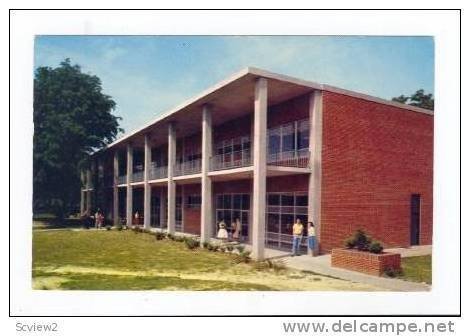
(322, 265)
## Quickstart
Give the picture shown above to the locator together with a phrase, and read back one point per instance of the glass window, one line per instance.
(227, 202)
(287, 200)
(274, 199)
(274, 141)
(287, 220)
(303, 135)
(237, 201)
(288, 137)
(220, 202)
(273, 223)
(246, 202)
(301, 200)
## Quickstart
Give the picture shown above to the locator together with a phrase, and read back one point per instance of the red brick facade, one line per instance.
(365, 262)
(374, 157)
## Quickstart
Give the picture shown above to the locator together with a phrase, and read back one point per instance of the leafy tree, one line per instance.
(72, 118)
(419, 98)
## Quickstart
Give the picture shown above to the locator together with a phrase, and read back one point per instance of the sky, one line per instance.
(148, 75)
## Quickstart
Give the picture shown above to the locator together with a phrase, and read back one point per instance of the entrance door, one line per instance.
(415, 218)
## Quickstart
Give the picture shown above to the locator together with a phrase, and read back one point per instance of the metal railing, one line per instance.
(188, 167)
(158, 172)
(297, 159)
(138, 176)
(231, 160)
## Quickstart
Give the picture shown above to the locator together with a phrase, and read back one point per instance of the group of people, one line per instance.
(297, 235)
(232, 233)
(97, 219)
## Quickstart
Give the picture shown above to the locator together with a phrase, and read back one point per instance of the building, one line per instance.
(267, 148)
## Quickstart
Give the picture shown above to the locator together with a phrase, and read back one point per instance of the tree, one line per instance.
(419, 98)
(72, 118)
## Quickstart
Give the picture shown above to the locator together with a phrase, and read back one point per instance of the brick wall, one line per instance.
(288, 183)
(369, 263)
(192, 216)
(374, 157)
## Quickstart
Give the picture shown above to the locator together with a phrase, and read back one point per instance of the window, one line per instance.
(289, 138)
(303, 135)
(193, 201)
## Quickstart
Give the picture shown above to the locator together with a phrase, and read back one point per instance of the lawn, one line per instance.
(418, 269)
(124, 260)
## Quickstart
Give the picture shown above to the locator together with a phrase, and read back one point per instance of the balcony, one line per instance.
(231, 160)
(158, 172)
(122, 179)
(138, 176)
(188, 167)
(296, 159)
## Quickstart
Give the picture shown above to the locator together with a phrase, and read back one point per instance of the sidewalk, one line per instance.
(322, 265)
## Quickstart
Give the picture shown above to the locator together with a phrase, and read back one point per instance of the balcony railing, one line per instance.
(188, 167)
(138, 176)
(297, 159)
(122, 179)
(158, 172)
(231, 160)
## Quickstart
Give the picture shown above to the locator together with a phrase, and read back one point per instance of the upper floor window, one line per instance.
(289, 137)
(233, 145)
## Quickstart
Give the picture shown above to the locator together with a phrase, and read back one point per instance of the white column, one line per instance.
(115, 188)
(315, 146)
(259, 168)
(82, 193)
(130, 162)
(171, 183)
(206, 183)
(88, 191)
(147, 187)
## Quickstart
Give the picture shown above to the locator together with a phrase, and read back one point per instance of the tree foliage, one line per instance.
(419, 98)
(72, 118)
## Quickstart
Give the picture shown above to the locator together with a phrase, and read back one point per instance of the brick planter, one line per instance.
(365, 262)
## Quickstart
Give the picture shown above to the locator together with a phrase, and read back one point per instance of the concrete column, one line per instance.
(88, 190)
(315, 146)
(259, 168)
(82, 193)
(115, 188)
(171, 183)
(130, 162)
(147, 187)
(206, 182)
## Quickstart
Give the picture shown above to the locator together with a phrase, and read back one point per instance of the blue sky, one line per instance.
(147, 75)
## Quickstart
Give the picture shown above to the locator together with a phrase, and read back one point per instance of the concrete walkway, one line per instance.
(322, 265)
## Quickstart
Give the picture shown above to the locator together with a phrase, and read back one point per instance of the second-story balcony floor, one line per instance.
(190, 167)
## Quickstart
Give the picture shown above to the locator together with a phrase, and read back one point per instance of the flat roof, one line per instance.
(250, 73)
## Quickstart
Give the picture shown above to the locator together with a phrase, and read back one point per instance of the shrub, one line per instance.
(359, 240)
(278, 265)
(242, 257)
(376, 247)
(213, 247)
(393, 272)
(170, 236)
(223, 249)
(229, 248)
(240, 248)
(205, 245)
(191, 243)
(108, 227)
(160, 235)
(179, 238)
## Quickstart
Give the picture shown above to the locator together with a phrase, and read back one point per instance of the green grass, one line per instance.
(418, 269)
(125, 260)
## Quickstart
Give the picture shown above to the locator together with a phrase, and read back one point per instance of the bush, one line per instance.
(229, 248)
(170, 236)
(359, 240)
(160, 235)
(376, 247)
(223, 249)
(179, 239)
(240, 249)
(393, 272)
(205, 245)
(191, 243)
(242, 257)
(108, 227)
(350, 243)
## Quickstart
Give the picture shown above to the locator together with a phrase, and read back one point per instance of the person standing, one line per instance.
(297, 230)
(236, 229)
(311, 238)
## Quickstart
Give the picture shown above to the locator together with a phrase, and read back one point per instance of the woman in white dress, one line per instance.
(236, 229)
(222, 233)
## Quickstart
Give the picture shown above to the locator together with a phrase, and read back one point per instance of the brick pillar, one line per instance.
(259, 168)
